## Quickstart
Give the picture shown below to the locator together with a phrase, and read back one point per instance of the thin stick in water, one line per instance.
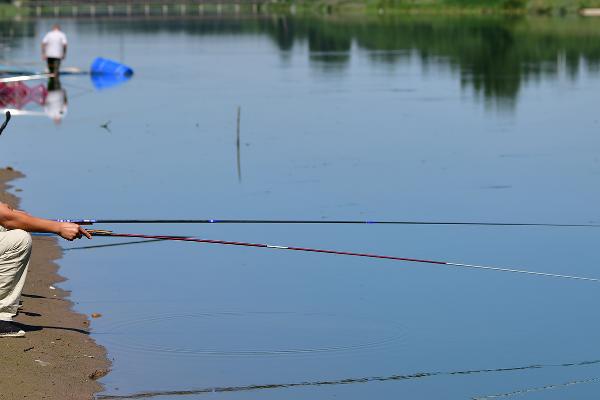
(239, 164)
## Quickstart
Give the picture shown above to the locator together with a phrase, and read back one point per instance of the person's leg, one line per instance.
(15, 249)
(50, 64)
(53, 65)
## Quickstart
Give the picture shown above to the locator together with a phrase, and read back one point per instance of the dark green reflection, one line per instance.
(493, 56)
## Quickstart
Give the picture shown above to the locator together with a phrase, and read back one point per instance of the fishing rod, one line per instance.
(336, 252)
(6, 119)
(309, 221)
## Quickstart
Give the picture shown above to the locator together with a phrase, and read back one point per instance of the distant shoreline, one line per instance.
(448, 7)
(57, 359)
(25, 8)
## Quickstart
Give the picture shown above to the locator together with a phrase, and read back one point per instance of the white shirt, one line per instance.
(54, 42)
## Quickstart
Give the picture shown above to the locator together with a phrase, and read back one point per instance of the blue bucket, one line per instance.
(104, 66)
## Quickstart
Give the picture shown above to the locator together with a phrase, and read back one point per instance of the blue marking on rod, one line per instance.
(77, 221)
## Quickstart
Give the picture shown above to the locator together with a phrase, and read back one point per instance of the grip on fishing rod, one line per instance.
(99, 232)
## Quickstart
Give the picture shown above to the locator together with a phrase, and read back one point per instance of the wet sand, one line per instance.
(57, 359)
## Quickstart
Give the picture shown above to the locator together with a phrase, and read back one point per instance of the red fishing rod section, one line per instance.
(337, 252)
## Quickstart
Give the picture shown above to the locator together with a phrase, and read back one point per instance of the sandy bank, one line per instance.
(57, 359)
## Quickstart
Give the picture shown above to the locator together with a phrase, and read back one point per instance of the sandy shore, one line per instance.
(57, 359)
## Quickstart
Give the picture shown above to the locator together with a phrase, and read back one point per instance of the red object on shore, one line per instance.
(18, 95)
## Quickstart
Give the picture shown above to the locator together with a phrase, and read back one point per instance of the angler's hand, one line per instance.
(71, 231)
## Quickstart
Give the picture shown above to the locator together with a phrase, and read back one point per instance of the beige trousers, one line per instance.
(15, 249)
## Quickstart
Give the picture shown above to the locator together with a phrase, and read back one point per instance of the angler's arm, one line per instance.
(15, 219)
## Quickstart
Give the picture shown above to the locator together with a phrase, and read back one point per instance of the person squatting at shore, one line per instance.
(15, 249)
(54, 49)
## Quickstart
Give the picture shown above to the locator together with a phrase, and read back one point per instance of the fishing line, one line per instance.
(343, 253)
(309, 221)
(99, 246)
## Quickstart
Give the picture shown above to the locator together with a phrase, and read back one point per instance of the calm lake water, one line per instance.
(413, 119)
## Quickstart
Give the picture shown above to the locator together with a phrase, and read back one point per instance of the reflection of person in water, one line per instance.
(54, 48)
(55, 103)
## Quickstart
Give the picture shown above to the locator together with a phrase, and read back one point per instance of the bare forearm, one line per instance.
(21, 220)
(15, 219)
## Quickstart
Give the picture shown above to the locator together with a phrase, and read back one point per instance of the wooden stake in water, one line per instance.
(237, 143)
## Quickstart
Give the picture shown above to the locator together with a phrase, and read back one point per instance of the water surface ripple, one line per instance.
(347, 381)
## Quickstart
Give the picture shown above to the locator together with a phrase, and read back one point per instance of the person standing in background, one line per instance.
(54, 49)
